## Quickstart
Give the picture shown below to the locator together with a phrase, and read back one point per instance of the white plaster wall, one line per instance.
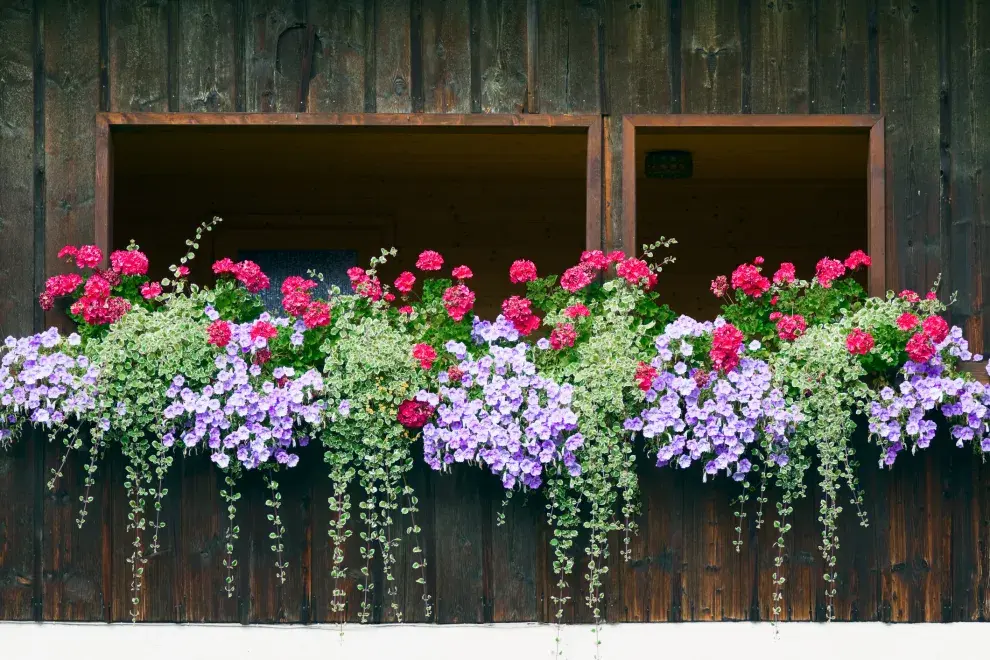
(726, 641)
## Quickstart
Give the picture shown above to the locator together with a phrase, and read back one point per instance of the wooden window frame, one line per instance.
(877, 225)
(107, 123)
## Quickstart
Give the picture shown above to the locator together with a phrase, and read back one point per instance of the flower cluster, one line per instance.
(44, 381)
(242, 414)
(698, 414)
(499, 413)
(247, 272)
(100, 303)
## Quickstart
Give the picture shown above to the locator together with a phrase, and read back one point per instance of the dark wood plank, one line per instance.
(446, 53)
(279, 53)
(207, 41)
(909, 81)
(201, 539)
(502, 61)
(637, 35)
(969, 151)
(780, 43)
(712, 57)
(840, 77)
(568, 59)
(16, 169)
(515, 547)
(393, 58)
(338, 80)
(71, 100)
(139, 55)
(458, 518)
(18, 482)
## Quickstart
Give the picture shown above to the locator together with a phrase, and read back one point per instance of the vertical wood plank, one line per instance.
(969, 151)
(446, 53)
(502, 60)
(393, 56)
(568, 59)
(138, 55)
(18, 480)
(72, 557)
(458, 520)
(639, 78)
(780, 56)
(279, 50)
(208, 41)
(339, 67)
(712, 57)
(637, 35)
(16, 174)
(840, 77)
(909, 96)
(515, 546)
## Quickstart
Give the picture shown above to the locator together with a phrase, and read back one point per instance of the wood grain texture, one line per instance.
(393, 56)
(969, 150)
(568, 68)
(840, 63)
(459, 513)
(502, 60)
(17, 473)
(712, 57)
(780, 50)
(446, 53)
(207, 38)
(138, 55)
(279, 47)
(338, 80)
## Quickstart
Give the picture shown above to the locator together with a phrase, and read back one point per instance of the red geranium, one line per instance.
(726, 341)
(615, 256)
(785, 274)
(295, 283)
(522, 271)
(151, 290)
(219, 333)
(224, 266)
(595, 259)
(429, 260)
(68, 251)
(790, 328)
(645, 374)
(295, 302)
(182, 271)
(517, 310)
(425, 354)
(936, 328)
(909, 295)
(414, 414)
(747, 278)
(46, 300)
(562, 336)
(574, 311)
(575, 278)
(455, 374)
(96, 310)
(856, 259)
(720, 285)
(263, 329)
(129, 262)
(317, 315)
(88, 256)
(356, 275)
(462, 273)
(636, 271)
(63, 285)
(859, 342)
(406, 309)
(458, 301)
(97, 287)
(907, 321)
(920, 348)
(404, 282)
(251, 276)
(827, 270)
(369, 288)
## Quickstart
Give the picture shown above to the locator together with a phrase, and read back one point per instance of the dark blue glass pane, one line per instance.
(280, 264)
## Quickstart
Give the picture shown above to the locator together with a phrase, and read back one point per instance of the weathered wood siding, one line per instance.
(924, 65)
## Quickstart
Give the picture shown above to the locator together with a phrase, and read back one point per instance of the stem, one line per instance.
(231, 534)
(277, 547)
(95, 453)
(412, 507)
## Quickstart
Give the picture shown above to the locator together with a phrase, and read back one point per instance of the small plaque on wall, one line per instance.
(669, 165)
(280, 264)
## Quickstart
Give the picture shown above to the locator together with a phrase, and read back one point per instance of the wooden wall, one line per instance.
(924, 65)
